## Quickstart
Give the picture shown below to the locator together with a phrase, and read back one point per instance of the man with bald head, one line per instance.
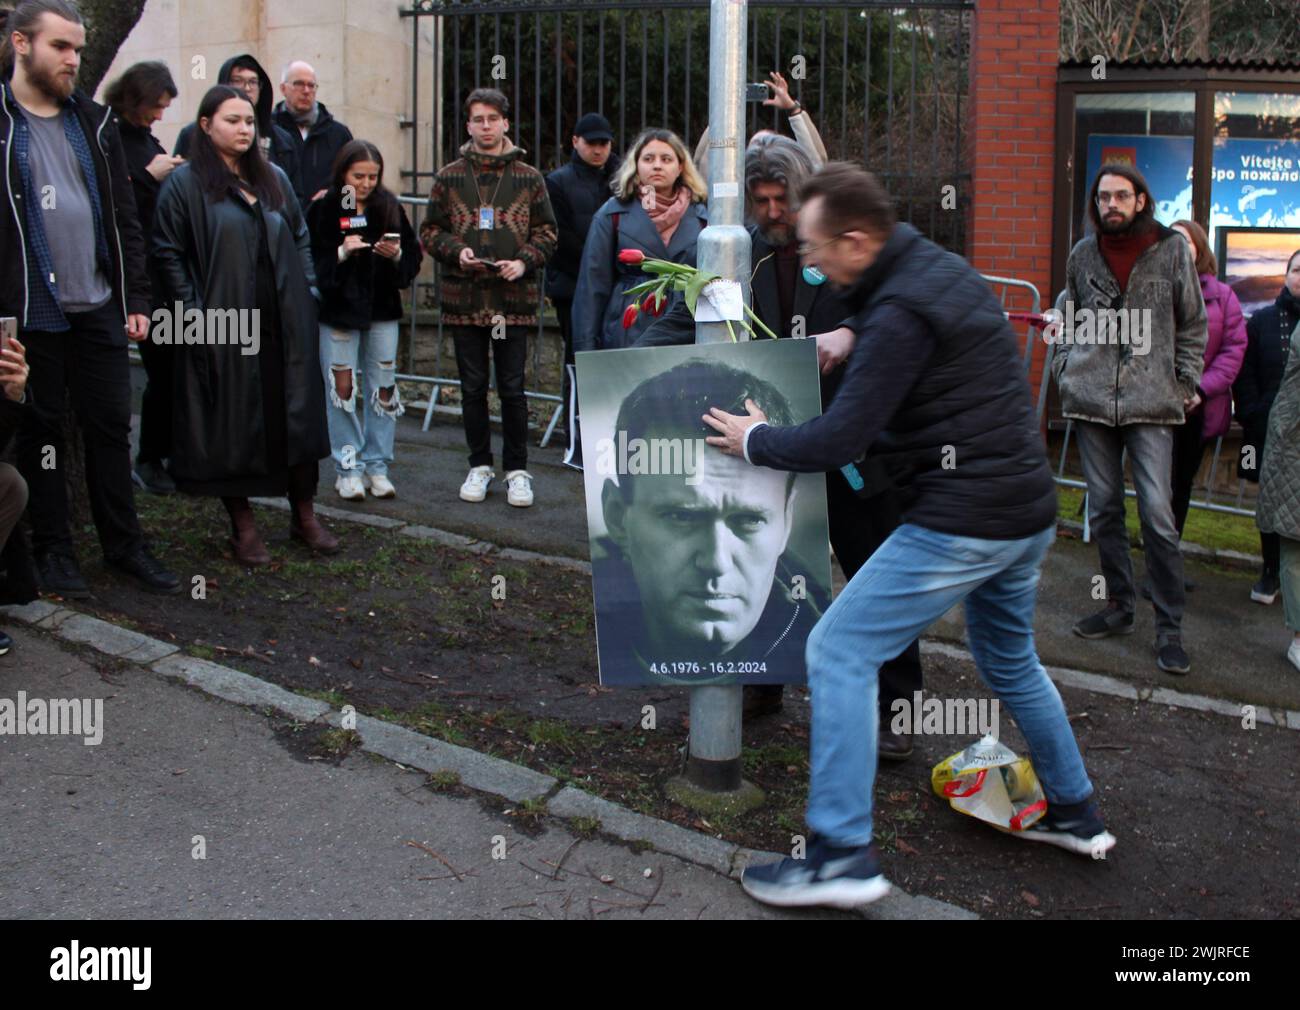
(316, 134)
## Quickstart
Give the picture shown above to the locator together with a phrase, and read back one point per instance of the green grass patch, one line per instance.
(1215, 530)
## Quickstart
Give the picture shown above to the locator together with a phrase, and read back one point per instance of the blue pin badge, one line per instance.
(813, 276)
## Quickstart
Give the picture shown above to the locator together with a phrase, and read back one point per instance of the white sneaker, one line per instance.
(476, 484)
(520, 488)
(1293, 654)
(350, 488)
(381, 486)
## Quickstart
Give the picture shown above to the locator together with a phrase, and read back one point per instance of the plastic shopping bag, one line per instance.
(989, 781)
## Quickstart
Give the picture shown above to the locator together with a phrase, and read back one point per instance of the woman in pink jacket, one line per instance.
(1210, 411)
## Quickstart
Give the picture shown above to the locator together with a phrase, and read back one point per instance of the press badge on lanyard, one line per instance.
(486, 218)
(347, 224)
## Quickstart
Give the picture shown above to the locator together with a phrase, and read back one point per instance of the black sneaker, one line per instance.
(1104, 623)
(6, 643)
(1075, 827)
(147, 571)
(153, 478)
(827, 875)
(1265, 590)
(1171, 658)
(60, 575)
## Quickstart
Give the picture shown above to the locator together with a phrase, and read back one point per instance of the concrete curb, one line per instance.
(414, 750)
(445, 538)
(1101, 684)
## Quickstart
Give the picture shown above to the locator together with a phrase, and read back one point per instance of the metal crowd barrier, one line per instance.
(1006, 288)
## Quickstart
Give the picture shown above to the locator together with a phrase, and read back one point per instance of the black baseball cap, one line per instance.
(593, 126)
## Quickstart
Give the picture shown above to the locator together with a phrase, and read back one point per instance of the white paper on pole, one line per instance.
(720, 299)
(726, 189)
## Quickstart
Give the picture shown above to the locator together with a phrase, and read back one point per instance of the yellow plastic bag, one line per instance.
(989, 781)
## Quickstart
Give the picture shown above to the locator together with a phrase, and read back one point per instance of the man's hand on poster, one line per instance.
(732, 427)
(833, 348)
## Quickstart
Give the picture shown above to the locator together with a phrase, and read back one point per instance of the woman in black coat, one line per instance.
(249, 412)
(1268, 341)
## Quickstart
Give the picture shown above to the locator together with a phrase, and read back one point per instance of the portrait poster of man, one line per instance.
(705, 570)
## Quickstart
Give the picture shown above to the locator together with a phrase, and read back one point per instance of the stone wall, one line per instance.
(361, 50)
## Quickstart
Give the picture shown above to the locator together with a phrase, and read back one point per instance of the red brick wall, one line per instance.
(1014, 49)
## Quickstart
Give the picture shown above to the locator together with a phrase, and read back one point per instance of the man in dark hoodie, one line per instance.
(316, 135)
(577, 191)
(246, 74)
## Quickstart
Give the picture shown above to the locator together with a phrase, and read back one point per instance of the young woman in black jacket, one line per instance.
(249, 413)
(361, 269)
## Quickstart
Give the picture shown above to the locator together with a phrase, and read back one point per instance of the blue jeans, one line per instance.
(357, 436)
(910, 582)
(1150, 453)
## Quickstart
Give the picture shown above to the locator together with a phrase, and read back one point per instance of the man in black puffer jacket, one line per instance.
(935, 382)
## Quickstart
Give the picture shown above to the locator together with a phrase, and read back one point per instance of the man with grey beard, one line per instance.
(863, 506)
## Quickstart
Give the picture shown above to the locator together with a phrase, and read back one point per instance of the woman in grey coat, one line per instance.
(658, 209)
(1278, 510)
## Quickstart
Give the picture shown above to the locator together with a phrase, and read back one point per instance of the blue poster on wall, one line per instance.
(1256, 182)
(1165, 161)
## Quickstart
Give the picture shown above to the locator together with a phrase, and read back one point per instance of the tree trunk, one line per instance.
(108, 23)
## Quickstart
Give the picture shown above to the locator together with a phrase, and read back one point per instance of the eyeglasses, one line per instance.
(1123, 196)
(245, 82)
(805, 249)
(303, 85)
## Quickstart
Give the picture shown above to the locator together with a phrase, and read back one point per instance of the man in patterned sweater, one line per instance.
(491, 226)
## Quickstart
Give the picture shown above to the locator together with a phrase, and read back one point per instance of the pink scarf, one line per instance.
(666, 216)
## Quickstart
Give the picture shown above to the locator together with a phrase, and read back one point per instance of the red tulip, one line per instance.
(629, 316)
(632, 257)
(654, 304)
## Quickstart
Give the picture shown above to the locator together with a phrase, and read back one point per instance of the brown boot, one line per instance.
(304, 526)
(245, 542)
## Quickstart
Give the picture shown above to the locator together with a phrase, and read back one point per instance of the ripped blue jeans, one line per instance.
(361, 422)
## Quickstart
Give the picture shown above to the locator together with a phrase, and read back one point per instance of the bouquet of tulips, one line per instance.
(677, 277)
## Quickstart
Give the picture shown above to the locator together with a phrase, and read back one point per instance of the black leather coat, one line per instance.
(206, 256)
